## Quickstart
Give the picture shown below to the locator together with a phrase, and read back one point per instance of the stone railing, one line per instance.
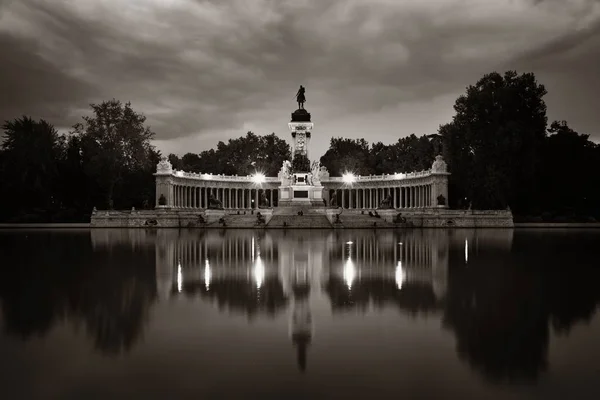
(332, 179)
(218, 177)
(384, 177)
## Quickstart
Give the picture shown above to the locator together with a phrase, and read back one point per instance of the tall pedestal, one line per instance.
(299, 192)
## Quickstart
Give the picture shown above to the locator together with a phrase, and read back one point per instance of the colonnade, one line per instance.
(185, 196)
(365, 251)
(412, 196)
(234, 252)
(370, 253)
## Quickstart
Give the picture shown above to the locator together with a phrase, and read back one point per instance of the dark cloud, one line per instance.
(205, 70)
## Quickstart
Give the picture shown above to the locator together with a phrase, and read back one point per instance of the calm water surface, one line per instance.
(486, 314)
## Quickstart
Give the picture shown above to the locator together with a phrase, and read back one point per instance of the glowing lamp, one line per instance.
(258, 178)
(348, 178)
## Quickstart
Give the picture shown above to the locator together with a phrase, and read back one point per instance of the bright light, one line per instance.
(259, 272)
(179, 173)
(207, 274)
(258, 178)
(350, 242)
(349, 273)
(348, 177)
(179, 278)
(400, 275)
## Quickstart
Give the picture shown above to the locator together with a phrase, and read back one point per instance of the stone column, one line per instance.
(343, 198)
(256, 198)
(271, 198)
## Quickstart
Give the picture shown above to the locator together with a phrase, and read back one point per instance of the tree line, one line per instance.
(106, 161)
(499, 147)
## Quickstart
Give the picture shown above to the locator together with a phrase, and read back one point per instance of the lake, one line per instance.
(315, 314)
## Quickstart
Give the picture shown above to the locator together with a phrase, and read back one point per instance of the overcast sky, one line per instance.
(204, 71)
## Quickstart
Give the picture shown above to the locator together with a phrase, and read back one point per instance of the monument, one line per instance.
(301, 185)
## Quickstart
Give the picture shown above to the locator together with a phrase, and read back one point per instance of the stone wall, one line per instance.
(445, 218)
(428, 218)
(143, 219)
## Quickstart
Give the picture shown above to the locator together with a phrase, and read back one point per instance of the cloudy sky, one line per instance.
(209, 70)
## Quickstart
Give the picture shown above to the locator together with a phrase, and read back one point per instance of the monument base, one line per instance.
(301, 195)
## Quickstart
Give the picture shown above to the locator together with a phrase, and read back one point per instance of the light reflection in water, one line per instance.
(399, 275)
(179, 277)
(207, 274)
(259, 272)
(466, 251)
(349, 268)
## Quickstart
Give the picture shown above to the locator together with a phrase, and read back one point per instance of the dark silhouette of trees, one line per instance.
(568, 180)
(106, 161)
(242, 156)
(115, 145)
(61, 278)
(408, 154)
(30, 167)
(347, 155)
(495, 141)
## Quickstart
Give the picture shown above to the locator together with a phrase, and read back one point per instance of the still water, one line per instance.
(494, 314)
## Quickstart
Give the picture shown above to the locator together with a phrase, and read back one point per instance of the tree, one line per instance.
(176, 162)
(501, 123)
(30, 158)
(242, 156)
(115, 143)
(571, 159)
(347, 155)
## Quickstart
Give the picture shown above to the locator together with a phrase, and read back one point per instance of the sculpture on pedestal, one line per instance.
(441, 200)
(262, 201)
(387, 202)
(333, 201)
(214, 203)
(439, 165)
(164, 166)
(315, 170)
(300, 97)
(285, 173)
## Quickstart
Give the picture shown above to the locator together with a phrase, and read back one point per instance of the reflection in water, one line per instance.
(61, 278)
(501, 309)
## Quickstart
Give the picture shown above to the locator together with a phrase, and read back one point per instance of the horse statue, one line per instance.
(300, 97)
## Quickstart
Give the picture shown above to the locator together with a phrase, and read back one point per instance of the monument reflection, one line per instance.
(499, 294)
(275, 272)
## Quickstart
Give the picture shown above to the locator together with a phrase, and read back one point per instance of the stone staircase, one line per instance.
(309, 221)
(350, 220)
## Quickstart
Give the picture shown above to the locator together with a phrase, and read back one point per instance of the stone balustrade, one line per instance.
(414, 190)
